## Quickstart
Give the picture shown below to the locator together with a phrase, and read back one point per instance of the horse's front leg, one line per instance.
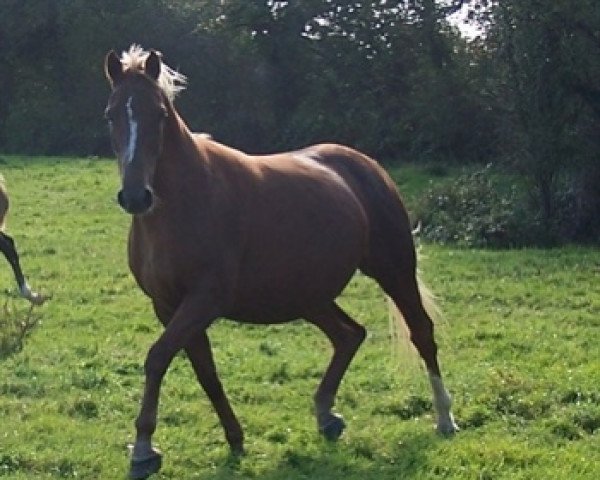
(192, 316)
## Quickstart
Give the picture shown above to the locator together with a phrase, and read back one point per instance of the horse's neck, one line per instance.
(180, 161)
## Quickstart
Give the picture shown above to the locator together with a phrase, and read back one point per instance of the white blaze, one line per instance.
(130, 152)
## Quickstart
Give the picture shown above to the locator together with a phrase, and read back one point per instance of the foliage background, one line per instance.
(393, 78)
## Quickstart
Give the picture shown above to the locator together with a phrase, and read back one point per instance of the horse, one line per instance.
(8, 248)
(267, 239)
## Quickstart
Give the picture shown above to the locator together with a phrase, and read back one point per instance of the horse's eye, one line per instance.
(163, 112)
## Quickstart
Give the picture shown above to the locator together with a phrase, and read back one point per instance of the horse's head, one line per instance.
(137, 110)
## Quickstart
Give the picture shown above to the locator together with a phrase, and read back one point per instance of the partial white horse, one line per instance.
(7, 247)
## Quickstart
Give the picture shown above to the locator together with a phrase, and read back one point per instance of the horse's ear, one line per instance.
(113, 69)
(152, 65)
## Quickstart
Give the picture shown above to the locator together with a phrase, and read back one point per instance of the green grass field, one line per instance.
(519, 347)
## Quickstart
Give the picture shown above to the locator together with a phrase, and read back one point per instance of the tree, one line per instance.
(264, 74)
(548, 63)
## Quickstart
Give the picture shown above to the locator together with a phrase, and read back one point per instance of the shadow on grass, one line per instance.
(337, 461)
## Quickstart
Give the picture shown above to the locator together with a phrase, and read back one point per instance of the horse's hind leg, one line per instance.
(346, 336)
(408, 300)
(394, 268)
(7, 247)
(404, 291)
(200, 355)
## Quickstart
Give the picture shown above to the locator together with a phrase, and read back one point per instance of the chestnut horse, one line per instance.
(7, 247)
(258, 239)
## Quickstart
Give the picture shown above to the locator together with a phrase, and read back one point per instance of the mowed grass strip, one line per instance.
(519, 346)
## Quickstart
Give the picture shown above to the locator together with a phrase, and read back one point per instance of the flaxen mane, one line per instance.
(170, 81)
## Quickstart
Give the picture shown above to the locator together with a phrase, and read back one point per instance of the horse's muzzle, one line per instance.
(135, 202)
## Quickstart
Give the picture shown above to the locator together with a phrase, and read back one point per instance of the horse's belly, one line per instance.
(285, 297)
(292, 273)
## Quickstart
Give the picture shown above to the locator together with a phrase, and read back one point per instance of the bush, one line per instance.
(477, 210)
(15, 326)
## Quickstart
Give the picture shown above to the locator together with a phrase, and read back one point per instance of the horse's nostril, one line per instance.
(147, 198)
(135, 202)
(120, 199)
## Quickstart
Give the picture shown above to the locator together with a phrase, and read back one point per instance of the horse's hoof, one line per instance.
(334, 426)
(446, 426)
(447, 430)
(38, 299)
(237, 450)
(141, 469)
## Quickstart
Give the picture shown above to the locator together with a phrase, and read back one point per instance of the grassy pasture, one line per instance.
(519, 348)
